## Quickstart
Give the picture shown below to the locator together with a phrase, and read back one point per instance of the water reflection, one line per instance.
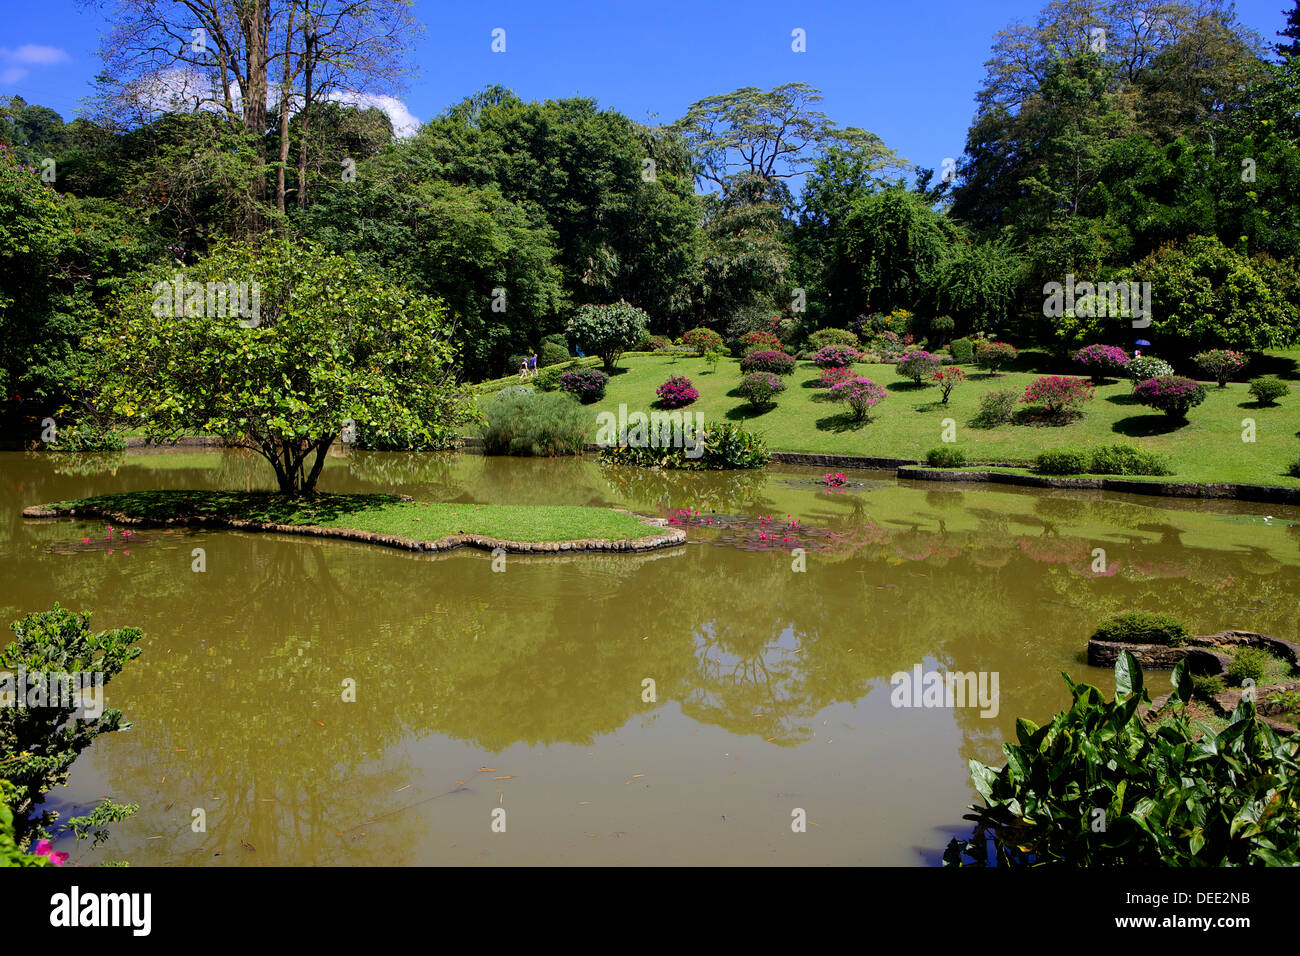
(237, 700)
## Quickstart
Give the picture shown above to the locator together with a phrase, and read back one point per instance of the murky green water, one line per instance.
(523, 690)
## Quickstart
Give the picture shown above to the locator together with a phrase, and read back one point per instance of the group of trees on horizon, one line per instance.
(1127, 141)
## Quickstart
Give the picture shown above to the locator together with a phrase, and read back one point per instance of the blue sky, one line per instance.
(907, 71)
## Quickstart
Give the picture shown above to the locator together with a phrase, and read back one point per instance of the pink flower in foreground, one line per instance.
(45, 849)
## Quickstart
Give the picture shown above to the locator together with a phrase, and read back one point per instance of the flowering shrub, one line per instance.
(778, 363)
(1221, 364)
(702, 340)
(760, 340)
(947, 379)
(1099, 360)
(860, 394)
(1059, 393)
(834, 479)
(677, 392)
(918, 365)
(1172, 394)
(993, 355)
(833, 376)
(659, 343)
(1148, 366)
(835, 356)
(761, 388)
(586, 383)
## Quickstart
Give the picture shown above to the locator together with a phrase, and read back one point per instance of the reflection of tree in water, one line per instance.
(430, 475)
(82, 463)
(709, 491)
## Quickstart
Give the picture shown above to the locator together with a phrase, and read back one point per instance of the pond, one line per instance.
(525, 690)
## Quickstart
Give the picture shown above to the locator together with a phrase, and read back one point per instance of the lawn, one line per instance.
(1209, 447)
(380, 514)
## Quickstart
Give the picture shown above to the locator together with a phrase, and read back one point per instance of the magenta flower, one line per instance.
(45, 848)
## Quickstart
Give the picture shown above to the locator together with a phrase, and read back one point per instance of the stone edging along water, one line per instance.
(667, 538)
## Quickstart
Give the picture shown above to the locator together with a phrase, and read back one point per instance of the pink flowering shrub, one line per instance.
(677, 392)
(1221, 364)
(918, 365)
(1174, 395)
(1100, 360)
(831, 377)
(860, 394)
(761, 388)
(1059, 393)
(778, 363)
(835, 356)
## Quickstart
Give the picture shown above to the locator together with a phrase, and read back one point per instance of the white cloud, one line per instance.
(404, 123)
(13, 74)
(37, 54)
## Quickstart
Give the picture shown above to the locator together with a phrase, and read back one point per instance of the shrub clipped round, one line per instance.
(658, 343)
(860, 394)
(552, 353)
(992, 356)
(778, 363)
(962, 351)
(918, 365)
(835, 356)
(1221, 364)
(824, 337)
(548, 379)
(1102, 360)
(1058, 393)
(1148, 366)
(677, 392)
(588, 384)
(1139, 627)
(761, 388)
(702, 340)
(1174, 395)
(945, 456)
(608, 330)
(1267, 389)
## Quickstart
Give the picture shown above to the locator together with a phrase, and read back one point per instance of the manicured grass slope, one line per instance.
(382, 514)
(910, 420)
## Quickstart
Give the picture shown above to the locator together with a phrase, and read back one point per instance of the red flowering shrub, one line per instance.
(702, 340)
(833, 376)
(1059, 393)
(947, 379)
(760, 340)
(993, 355)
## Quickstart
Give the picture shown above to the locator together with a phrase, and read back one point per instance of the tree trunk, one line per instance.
(285, 97)
(304, 117)
(254, 16)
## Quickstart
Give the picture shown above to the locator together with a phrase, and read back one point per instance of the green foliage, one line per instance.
(1103, 460)
(1207, 686)
(725, 446)
(1139, 627)
(1062, 462)
(330, 342)
(962, 351)
(38, 744)
(702, 341)
(1248, 663)
(524, 422)
(552, 353)
(997, 408)
(548, 379)
(824, 337)
(1267, 389)
(1173, 794)
(945, 456)
(608, 330)
(11, 854)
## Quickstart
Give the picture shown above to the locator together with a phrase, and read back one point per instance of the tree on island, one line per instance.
(281, 349)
